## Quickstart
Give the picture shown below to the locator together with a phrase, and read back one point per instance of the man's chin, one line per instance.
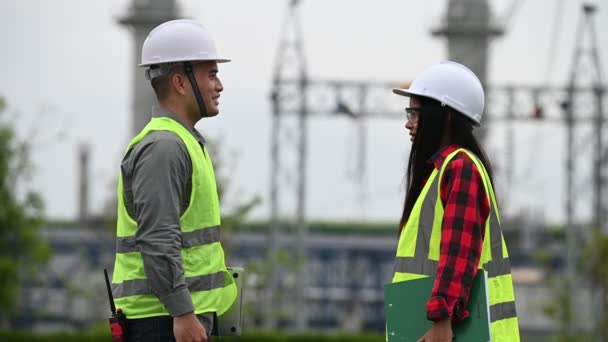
(212, 113)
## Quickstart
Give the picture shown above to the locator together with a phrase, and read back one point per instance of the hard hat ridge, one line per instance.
(180, 40)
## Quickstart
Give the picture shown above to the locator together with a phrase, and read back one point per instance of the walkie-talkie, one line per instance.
(118, 321)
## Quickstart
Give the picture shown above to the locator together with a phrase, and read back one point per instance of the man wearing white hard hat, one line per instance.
(450, 227)
(170, 277)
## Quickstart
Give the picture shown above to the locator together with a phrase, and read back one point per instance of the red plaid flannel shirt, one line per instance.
(466, 209)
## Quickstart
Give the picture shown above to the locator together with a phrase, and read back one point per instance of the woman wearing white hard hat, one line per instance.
(450, 227)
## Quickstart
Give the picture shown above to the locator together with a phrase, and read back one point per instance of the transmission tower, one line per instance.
(288, 174)
(586, 71)
(295, 99)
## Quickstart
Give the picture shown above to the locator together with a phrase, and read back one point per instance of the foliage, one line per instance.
(594, 264)
(593, 267)
(21, 247)
(104, 335)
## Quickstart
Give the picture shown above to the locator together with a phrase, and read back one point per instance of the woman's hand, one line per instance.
(440, 332)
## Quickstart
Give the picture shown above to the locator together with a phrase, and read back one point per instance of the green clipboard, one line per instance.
(405, 307)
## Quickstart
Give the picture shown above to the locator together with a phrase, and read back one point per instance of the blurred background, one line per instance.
(311, 152)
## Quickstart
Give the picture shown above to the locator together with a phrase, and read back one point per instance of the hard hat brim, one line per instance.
(218, 60)
(408, 93)
(404, 92)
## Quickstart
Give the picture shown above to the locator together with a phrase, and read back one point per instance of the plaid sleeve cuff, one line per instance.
(437, 309)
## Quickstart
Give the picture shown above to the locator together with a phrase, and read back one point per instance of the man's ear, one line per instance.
(179, 83)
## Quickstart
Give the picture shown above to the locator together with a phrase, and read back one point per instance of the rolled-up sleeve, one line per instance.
(161, 170)
(466, 209)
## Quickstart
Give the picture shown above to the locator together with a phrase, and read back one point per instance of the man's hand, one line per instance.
(187, 328)
(440, 332)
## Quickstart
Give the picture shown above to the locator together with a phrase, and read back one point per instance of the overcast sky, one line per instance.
(66, 68)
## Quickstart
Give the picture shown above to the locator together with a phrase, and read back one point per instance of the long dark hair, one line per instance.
(435, 122)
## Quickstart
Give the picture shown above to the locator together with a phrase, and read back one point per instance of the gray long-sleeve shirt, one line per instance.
(157, 182)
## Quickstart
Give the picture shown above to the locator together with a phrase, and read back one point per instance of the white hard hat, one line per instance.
(452, 84)
(180, 40)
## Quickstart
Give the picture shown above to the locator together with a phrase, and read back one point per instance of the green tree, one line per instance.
(593, 267)
(561, 310)
(21, 247)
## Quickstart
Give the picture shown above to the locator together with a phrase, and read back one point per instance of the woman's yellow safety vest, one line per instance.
(419, 246)
(211, 287)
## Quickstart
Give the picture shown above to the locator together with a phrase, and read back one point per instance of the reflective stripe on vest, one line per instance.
(140, 287)
(211, 286)
(422, 259)
(189, 239)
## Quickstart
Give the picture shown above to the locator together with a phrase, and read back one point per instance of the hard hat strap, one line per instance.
(197, 93)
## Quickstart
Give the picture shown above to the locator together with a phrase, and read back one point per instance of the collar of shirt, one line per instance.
(160, 112)
(439, 157)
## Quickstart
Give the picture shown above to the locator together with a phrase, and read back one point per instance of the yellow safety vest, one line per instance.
(211, 287)
(419, 249)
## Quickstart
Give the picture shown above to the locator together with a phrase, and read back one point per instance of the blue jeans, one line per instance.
(159, 329)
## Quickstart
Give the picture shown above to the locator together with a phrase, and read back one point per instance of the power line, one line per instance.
(554, 40)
